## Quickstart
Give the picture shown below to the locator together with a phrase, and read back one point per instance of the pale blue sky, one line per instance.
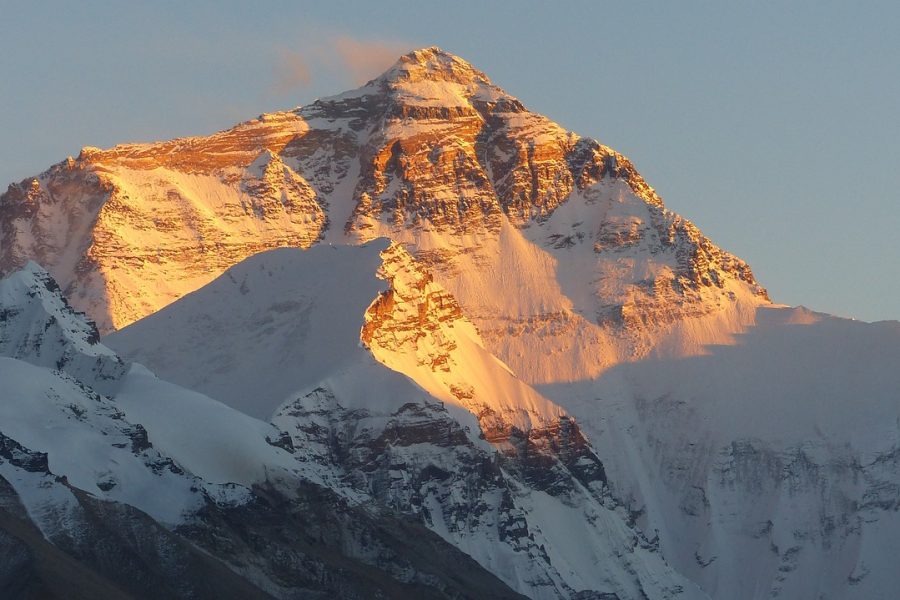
(774, 128)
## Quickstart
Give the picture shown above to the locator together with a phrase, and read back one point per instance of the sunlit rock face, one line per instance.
(543, 236)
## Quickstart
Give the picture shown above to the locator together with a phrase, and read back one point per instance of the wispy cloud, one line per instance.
(353, 59)
(365, 59)
(291, 72)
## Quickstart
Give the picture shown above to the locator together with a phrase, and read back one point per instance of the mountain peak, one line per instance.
(432, 64)
(38, 325)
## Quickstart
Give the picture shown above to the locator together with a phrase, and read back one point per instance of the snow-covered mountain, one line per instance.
(387, 393)
(151, 490)
(489, 196)
(419, 307)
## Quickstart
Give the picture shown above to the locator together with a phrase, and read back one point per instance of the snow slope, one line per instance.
(138, 427)
(87, 439)
(768, 466)
(298, 322)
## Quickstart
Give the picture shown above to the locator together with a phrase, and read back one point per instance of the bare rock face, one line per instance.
(456, 151)
(275, 190)
(421, 462)
(413, 308)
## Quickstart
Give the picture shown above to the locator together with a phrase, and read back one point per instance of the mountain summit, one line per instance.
(433, 64)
